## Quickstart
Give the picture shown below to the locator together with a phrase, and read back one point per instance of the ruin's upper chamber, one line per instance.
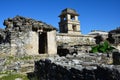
(68, 11)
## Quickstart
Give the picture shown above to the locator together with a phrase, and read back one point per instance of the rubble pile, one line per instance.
(47, 70)
(20, 23)
(77, 67)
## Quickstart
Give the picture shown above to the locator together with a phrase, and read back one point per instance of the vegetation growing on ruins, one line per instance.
(104, 47)
(13, 67)
(8, 75)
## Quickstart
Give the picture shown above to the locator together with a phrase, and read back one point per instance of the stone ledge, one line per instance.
(74, 35)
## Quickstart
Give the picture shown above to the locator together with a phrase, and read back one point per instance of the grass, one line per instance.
(26, 58)
(11, 75)
(14, 76)
(10, 59)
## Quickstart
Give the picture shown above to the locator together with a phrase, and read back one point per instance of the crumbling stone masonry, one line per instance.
(47, 70)
(75, 39)
(27, 36)
(70, 32)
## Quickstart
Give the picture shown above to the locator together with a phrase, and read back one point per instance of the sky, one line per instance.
(94, 14)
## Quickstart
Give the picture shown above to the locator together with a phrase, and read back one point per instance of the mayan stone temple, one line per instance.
(28, 36)
(40, 52)
(70, 32)
(69, 22)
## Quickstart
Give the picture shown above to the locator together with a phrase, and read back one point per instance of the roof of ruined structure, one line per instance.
(69, 11)
(20, 23)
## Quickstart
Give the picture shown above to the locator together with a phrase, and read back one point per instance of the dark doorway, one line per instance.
(42, 43)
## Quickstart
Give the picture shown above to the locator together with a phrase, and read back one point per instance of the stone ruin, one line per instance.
(27, 36)
(21, 24)
(23, 36)
(70, 33)
(77, 67)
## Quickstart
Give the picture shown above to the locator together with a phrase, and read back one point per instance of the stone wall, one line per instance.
(21, 36)
(28, 43)
(5, 48)
(51, 40)
(24, 43)
(75, 39)
(20, 43)
(82, 66)
(47, 70)
(81, 42)
(32, 46)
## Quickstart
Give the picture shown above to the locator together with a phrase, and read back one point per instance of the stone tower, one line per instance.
(69, 22)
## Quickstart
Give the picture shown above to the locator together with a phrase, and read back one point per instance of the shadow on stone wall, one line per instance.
(46, 70)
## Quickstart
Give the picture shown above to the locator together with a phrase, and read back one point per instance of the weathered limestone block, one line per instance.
(32, 45)
(52, 45)
(75, 39)
(45, 69)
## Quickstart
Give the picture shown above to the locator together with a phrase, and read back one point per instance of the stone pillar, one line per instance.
(69, 27)
(68, 16)
(78, 28)
(76, 18)
(51, 41)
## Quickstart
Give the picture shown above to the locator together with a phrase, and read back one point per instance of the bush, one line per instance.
(104, 47)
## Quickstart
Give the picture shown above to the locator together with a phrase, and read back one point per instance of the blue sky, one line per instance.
(94, 14)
